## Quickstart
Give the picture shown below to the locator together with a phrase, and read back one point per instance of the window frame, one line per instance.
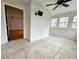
(64, 21)
(53, 22)
(74, 22)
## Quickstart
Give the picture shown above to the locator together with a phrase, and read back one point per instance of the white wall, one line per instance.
(3, 26)
(28, 20)
(39, 24)
(65, 32)
(35, 27)
(3, 19)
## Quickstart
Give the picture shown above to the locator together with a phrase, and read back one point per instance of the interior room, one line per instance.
(39, 29)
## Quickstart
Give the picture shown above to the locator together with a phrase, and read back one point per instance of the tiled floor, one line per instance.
(53, 47)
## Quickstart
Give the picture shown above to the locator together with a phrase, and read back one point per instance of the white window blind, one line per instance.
(74, 24)
(63, 22)
(53, 22)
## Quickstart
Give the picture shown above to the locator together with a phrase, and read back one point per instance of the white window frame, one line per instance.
(63, 23)
(74, 23)
(54, 22)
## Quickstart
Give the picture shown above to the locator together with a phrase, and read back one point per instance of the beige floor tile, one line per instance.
(52, 47)
(64, 54)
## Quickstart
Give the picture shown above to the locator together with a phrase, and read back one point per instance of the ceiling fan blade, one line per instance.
(51, 4)
(55, 7)
(67, 1)
(65, 5)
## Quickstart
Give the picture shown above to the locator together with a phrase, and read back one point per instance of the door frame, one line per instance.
(6, 23)
(7, 19)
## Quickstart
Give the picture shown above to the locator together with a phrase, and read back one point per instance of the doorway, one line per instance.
(14, 23)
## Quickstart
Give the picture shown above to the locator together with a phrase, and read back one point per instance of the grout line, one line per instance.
(58, 51)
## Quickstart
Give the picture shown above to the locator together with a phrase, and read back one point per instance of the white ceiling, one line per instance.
(60, 9)
(18, 1)
(23, 1)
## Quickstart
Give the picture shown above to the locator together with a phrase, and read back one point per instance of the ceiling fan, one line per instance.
(60, 2)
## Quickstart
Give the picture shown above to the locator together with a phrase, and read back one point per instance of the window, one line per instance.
(54, 22)
(74, 24)
(63, 22)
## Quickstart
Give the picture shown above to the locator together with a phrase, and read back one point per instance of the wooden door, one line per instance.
(14, 23)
